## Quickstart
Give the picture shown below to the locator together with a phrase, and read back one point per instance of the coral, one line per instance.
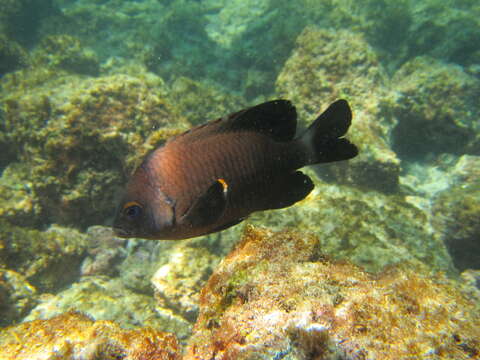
(48, 260)
(436, 109)
(107, 299)
(17, 297)
(177, 283)
(81, 136)
(456, 211)
(328, 65)
(275, 296)
(73, 336)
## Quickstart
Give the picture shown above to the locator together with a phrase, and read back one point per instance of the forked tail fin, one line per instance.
(323, 139)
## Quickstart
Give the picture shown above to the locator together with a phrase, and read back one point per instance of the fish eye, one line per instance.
(132, 210)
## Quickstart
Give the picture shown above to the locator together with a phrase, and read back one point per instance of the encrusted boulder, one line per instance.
(275, 296)
(200, 102)
(12, 55)
(48, 259)
(66, 52)
(81, 136)
(327, 65)
(73, 336)
(17, 297)
(436, 108)
(456, 212)
(102, 298)
(370, 229)
(177, 283)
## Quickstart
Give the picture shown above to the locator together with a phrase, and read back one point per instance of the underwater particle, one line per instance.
(272, 298)
(222, 171)
(73, 336)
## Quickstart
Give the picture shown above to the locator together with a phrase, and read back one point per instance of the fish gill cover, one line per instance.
(383, 254)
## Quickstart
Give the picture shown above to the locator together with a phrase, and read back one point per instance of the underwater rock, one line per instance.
(18, 204)
(276, 297)
(370, 229)
(105, 252)
(66, 52)
(456, 212)
(107, 299)
(48, 260)
(17, 297)
(447, 30)
(471, 284)
(200, 102)
(436, 108)
(80, 136)
(12, 55)
(74, 336)
(177, 284)
(327, 65)
(21, 20)
(427, 178)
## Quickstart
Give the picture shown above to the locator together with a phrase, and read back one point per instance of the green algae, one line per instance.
(436, 110)
(80, 143)
(48, 259)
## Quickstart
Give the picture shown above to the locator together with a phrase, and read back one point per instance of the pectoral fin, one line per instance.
(210, 206)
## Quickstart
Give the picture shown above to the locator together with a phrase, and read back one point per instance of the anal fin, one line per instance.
(288, 190)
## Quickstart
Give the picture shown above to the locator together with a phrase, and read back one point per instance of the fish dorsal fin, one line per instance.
(276, 118)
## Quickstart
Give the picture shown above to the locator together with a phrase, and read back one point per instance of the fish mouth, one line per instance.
(120, 232)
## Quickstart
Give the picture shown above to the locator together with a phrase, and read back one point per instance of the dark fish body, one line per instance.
(215, 175)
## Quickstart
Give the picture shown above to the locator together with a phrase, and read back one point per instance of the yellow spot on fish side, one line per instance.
(224, 184)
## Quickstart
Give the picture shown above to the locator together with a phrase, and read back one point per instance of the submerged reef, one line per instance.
(66, 52)
(48, 259)
(17, 297)
(276, 296)
(436, 108)
(73, 336)
(326, 65)
(456, 212)
(12, 55)
(79, 143)
(370, 229)
(108, 299)
(380, 261)
(201, 102)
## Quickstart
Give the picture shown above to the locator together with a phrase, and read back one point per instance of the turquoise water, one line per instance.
(88, 88)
